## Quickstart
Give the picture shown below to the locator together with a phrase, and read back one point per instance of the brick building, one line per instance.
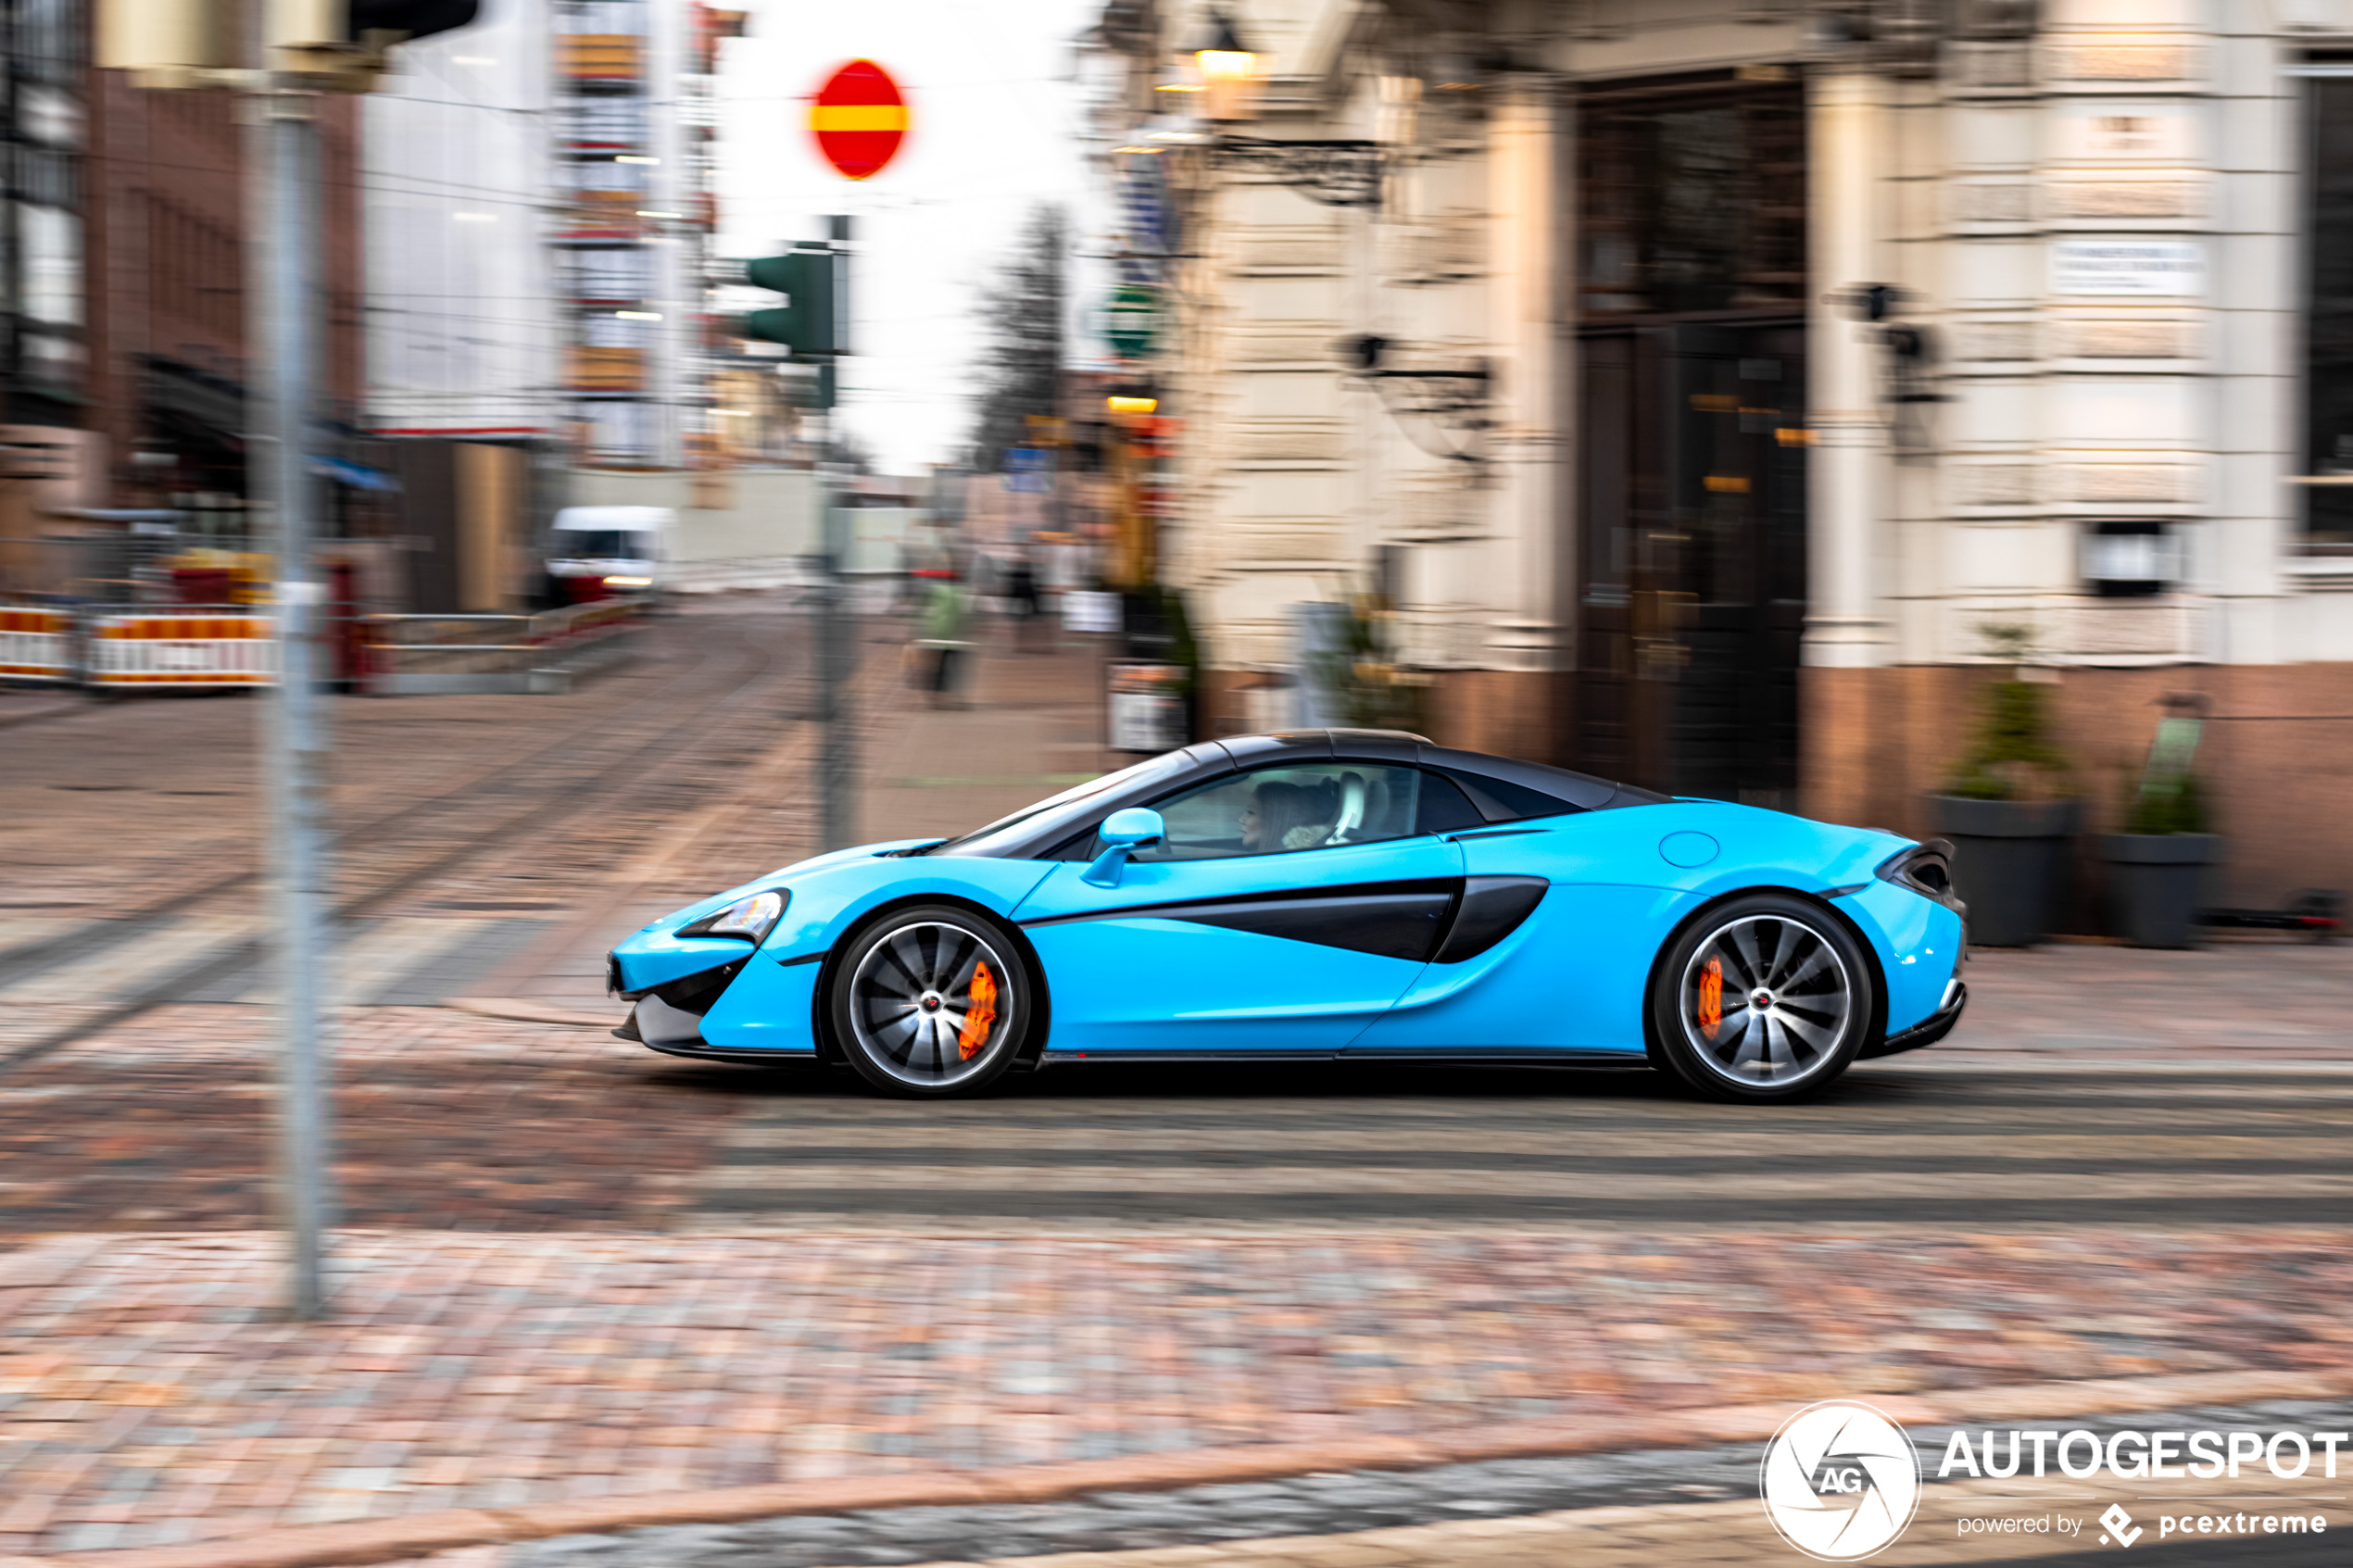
(164, 205)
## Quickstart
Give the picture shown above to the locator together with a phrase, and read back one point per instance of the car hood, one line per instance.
(785, 877)
(655, 954)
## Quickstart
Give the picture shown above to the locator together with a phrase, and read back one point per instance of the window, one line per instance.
(613, 122)
(1276, 811)
(49, 116)
(1500, 800)
(52, 247)
(1445, 809)
(2328, 326)
(606, 274)
(1692, 200)
(1070, 807)
(606, 330)
(602, 543)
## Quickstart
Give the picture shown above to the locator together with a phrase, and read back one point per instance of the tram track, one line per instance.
(651, 758)
(28, 958)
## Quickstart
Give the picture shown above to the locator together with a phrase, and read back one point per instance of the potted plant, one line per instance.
(2011, 808)
(2156, 866)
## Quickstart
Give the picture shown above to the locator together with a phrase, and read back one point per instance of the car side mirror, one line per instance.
(1123, 833)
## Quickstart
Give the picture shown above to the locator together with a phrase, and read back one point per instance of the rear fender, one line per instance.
(1875, 1029)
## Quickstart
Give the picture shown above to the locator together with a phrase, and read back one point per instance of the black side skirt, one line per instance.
(1927, 1032)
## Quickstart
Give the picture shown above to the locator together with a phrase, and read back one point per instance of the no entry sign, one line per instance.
(859, 119)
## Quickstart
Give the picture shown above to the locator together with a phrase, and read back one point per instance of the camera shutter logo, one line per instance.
(1840, 1481)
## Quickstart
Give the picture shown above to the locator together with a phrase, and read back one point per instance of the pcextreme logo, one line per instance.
(1840, 1481)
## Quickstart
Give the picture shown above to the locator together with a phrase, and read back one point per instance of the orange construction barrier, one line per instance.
(36, 645)
(182, 650)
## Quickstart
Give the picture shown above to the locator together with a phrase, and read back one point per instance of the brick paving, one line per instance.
(151, 1397)
(2255, 998)
(514, 1327)
(443, 1121)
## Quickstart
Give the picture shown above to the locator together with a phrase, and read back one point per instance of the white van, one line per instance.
(608, 552)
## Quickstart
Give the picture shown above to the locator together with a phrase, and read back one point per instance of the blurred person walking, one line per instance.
(941, 634)
(1022, 598)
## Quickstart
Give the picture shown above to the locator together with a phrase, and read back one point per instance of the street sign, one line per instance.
(1143, 201)
(859, 119)
(1027, 469)
(1132, 319)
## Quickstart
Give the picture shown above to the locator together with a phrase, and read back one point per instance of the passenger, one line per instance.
(1284, 816)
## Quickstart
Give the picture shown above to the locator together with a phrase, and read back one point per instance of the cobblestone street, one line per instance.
(152, 1399)
(576, 1271)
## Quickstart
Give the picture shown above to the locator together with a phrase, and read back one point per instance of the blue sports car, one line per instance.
(1326, 894)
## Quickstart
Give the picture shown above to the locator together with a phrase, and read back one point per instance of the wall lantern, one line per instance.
(1337, 173)
(1229, 72)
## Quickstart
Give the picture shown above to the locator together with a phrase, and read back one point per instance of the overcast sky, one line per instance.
(998, 117)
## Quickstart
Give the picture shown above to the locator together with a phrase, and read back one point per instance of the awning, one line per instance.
(343, 470)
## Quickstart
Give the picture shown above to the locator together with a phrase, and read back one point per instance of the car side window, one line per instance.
(1445, 809)
(1280, 810)
(1500, 800)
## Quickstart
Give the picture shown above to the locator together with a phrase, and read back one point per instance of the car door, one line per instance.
(1574, 918)
(1285, 933)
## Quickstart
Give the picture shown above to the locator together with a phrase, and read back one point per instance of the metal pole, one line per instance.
(836, 652)
(286, 366)
(837, 758)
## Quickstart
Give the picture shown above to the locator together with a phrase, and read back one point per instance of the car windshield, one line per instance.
(599, 543)
(1071, 803)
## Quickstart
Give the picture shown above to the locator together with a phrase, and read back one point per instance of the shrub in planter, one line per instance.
(2157, 866)
(2010, 810)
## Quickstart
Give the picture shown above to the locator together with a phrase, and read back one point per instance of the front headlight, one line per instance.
(748, 919)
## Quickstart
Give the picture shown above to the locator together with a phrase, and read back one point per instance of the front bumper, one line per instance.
(672, 1014)
(1929, 1029)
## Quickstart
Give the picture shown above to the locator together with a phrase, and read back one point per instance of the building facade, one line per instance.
(635, 118)
(465, 331)
(1722, 391)
(121, 242)
(539, 219)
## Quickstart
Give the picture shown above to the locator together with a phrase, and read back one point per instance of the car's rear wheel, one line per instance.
(1766, 997)
(930, 1000)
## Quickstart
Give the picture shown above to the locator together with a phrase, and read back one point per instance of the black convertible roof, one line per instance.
(1580, 790)
(1528, 789)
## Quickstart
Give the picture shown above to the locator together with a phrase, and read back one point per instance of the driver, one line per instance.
(1283, 816)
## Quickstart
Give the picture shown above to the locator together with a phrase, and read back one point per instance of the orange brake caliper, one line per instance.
(1711, 996)
(979, 1017)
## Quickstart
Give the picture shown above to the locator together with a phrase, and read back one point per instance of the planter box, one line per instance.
(2009, 863)
(2157, 884)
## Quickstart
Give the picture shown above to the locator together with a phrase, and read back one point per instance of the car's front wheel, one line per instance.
(1766, 997)
(931, 1000)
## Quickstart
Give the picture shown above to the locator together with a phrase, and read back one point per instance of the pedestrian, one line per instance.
(940, 631)
(1022, 598)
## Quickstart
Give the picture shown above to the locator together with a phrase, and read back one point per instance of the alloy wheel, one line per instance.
(930, 1001)
(1766, 1001)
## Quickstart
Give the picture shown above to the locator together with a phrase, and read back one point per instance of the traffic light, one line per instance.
(339, 43)
(814, 320)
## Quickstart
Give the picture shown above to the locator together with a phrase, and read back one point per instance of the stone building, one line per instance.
(1720, 389)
